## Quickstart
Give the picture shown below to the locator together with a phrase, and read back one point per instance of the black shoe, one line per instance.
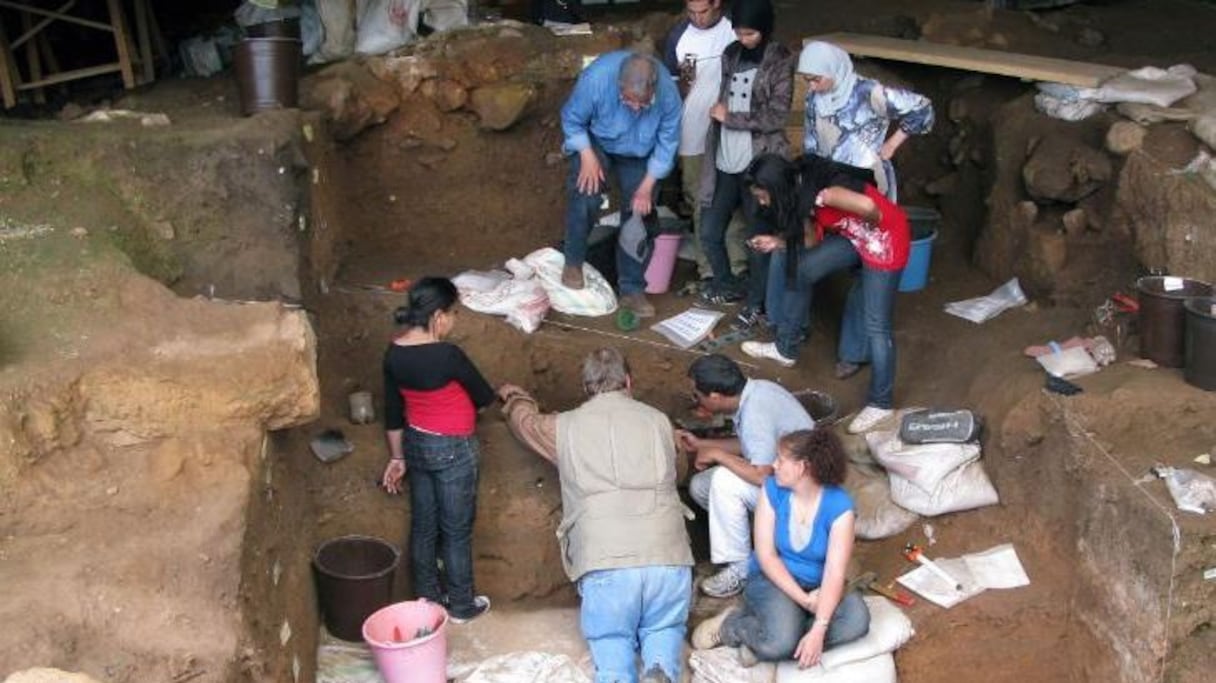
(481, 605)
(719, 296)
(747, 319)
(844, 369)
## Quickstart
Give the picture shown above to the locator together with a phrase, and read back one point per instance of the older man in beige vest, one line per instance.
(622, 534)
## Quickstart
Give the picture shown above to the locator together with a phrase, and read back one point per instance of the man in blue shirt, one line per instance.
(730, 471)
(623, 116)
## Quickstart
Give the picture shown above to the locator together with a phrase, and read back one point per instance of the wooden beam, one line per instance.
(72, 75)
(1030, 67)
(22, 7)
(147, 67)
(48, 55)
(122, 43)
(8, 73)
(42, 23)
(31, 56)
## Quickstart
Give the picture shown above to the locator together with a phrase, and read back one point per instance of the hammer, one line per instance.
(869, 581)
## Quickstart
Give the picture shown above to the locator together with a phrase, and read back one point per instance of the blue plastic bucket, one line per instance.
(923, 223)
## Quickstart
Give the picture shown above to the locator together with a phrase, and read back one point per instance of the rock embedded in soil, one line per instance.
(1124, 137)
(47, 675)
(1064, 169)
(406, 72)
(448, 95)
(1075, 222)
(501, 106)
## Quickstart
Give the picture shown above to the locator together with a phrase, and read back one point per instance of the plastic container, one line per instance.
(1200, 353)
(662, 263)
(819, 405)
(1162, 318)
(279, 28)
(362, 410)
(923, 223)
(354, 577)
(267, 73)
(409, 641)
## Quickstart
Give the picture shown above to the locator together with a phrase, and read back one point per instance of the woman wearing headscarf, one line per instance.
(747, 121)
(851, 224)
(847, 116)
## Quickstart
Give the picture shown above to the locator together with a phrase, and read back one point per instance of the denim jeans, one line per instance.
(866, 325)
(582, 211)
(638, 608)
(442, 473)
(729, 194)
(771, 624)
(865, 331)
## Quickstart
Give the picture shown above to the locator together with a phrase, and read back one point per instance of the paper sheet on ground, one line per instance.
(984, 308)
(688, 328)
(997, 567)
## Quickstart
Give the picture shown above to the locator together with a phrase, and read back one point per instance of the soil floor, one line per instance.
(405, 212)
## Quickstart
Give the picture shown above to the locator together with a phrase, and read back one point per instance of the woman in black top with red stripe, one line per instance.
(432, 393)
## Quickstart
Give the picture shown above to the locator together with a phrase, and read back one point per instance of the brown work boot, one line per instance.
(638, 304)
(572, 277)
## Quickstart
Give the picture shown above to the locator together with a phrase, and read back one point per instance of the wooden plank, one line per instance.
(1013, 64)
(42, 23)
(31, 56)
(147, 67)
(55, 15)
(48, 55)
(72, 75)
(8, 72)
(122, 43)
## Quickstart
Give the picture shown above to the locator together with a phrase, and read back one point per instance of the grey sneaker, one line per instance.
(725, 583)
(481, 605)
(747, 319)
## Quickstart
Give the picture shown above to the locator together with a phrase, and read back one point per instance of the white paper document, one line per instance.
(689, 327)
(997, 567)
(983, 308)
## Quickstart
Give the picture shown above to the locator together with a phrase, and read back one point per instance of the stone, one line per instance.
(553, 158)
(407, 72)
(1048, 250)
(1124, 137)
(1091, 37)
(47, 675)
(350, 96)
(1075, 222)
(957, 111)
(1028, 211)
(448, 95)
(1064, 169)
(500, 106)
(163, 230)
(70, 112)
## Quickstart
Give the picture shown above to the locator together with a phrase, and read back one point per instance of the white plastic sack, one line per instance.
(877, 516)
(890, 628)
(527, 667)
(1191, 490)
(594, 299)
(444, 15)
(984, 308)
(924, 465)
(1073, 362)
(1066, 109)
(524, 302)
(338, 29)
(1149, 85)
(880, 669)
(385, 25)
(966, 488)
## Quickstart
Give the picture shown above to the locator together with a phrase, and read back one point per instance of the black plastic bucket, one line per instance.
(354, 578)
(1162, 319)
(1201, 342)
(279, 28)
(268, 73)
(819, 405)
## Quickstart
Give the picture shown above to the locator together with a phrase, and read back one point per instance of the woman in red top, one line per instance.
(432, 393)
(850, 223)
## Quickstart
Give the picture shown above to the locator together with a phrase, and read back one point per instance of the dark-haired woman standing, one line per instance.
(432, 393)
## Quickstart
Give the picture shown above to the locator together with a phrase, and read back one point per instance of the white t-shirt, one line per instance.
(707, 45)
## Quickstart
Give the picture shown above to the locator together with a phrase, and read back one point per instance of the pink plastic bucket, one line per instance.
(409, 641)
(662, 263)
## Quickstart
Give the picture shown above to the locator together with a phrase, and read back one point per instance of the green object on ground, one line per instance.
(626, 320)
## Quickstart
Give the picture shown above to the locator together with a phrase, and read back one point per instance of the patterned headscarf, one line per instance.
(825, 59)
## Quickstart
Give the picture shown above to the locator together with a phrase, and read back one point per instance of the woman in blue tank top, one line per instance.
(795, 605)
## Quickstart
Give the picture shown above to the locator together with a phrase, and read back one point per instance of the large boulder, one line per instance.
(500, 106)
(1062, 168)
(351, 97)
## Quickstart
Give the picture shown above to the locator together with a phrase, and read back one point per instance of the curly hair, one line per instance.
(822, 451)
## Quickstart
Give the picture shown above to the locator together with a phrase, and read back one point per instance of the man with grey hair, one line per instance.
(622, 534)
(623, 117)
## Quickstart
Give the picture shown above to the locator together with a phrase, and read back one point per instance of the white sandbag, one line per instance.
(877, 516)
(527, 667)
(524, 302)
(1068, 363)
(385, 25)
(444, 15)
(1149, 85)
(966, 488)
(1066, 109)
(338, 29)
(890, 628)
(594, 299)
(880, 669)
(924, 465)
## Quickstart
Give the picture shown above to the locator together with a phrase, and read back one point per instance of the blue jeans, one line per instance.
(729, 194)
(582, 211)
(866, 325)
(639, 607)
(442, 474)
(771, 624)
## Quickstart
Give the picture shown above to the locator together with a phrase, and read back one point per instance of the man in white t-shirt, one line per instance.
(693, 53)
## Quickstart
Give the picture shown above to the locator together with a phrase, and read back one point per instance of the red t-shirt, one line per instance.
(882, 246)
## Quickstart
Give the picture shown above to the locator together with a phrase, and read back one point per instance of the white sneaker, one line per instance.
(708, 634)
(725, 583)
(767, 350)
(868, 419)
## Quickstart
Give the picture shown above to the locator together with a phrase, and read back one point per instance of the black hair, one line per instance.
(716, 373)
(822, 451)
(426, 296)
(792, 187)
